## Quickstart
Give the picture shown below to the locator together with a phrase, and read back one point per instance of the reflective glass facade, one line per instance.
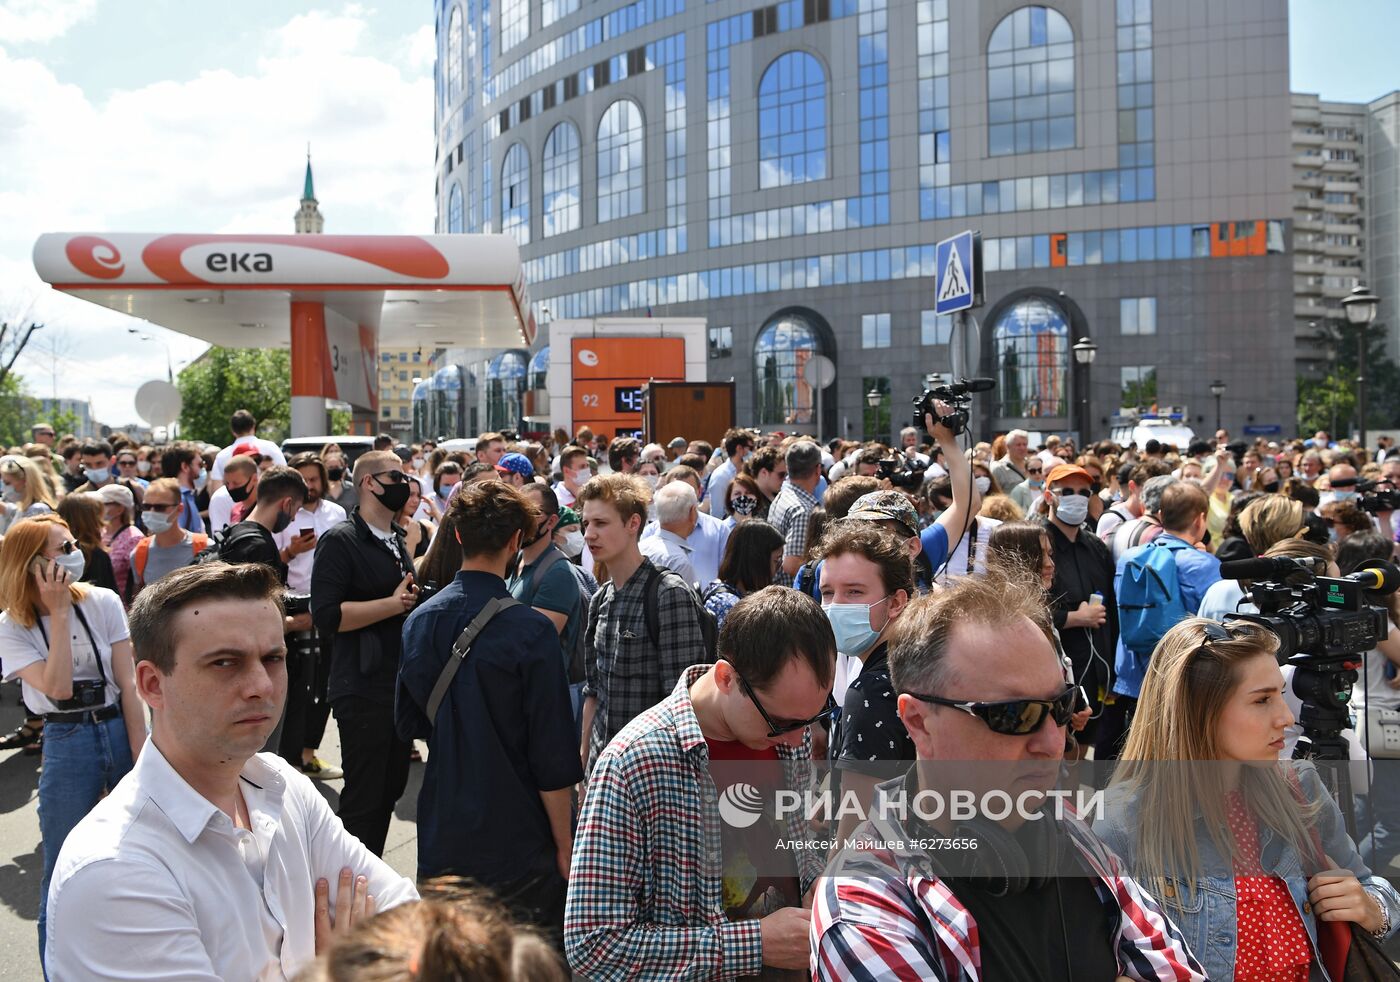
(1041, 125)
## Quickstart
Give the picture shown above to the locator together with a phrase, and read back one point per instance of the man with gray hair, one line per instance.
(793, 506)
(1011, 469)
(677, 513)
(1142, 530)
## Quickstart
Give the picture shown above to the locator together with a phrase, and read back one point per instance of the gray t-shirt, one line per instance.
(165, 559)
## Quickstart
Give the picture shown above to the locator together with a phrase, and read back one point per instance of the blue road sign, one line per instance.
(954, 274)
(1263, 430)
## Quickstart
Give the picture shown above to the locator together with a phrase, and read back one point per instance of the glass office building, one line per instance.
(786, 169)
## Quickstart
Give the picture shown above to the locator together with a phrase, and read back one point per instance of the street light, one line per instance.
(1217, 389)
(873, 398)
(1360, 307)
(169, 370)
(1085, 351)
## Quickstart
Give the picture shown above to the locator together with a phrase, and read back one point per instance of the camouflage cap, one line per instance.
(894, 506)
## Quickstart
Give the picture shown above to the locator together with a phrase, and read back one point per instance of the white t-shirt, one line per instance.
(220, 510)
(326, 516)
(958, 562)
(265, 447)
(23, 646)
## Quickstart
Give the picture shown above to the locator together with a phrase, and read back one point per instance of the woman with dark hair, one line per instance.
(752, 557)
(742, 499)
(83, 513)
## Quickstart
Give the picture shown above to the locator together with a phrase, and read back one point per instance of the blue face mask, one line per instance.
(851, 625)
(1035, 482)
(201, 479)
(1343, 495)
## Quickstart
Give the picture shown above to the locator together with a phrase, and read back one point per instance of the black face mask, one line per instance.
(538, 535)
(336, 473)
(1271, 487)
(240, 494)
(281, 522)
(392, 496)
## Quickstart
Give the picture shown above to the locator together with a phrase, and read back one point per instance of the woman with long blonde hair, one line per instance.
(25, 491)
(68, 644)
(1238, 845)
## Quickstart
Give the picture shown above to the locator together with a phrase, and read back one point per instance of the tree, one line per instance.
(1330, 403)
(224, 380)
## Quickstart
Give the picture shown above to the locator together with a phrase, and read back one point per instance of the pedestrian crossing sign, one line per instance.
(955, 273)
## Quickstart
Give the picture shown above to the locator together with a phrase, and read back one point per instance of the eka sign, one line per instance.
(608, 375)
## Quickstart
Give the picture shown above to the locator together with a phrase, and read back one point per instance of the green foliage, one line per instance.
(340, 421)
(1330, 403)
(225, 380)
(18, 412)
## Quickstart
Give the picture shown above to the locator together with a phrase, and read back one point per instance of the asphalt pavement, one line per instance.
(21, 856)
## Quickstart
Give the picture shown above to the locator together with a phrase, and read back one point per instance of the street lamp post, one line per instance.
(1360, 307)
(1084, 353)
(1217, 389)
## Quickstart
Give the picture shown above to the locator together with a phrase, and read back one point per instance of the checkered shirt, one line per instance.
(645, 889)
(625, 672)
(790, 514)
(872, 921)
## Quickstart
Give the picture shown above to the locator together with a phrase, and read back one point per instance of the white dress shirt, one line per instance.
(324, 517)
(158, 883)
(706, 544)
(669, 551)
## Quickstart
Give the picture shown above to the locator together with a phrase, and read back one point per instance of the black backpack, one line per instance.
(211, 552)
(709, 626)
(586, 588)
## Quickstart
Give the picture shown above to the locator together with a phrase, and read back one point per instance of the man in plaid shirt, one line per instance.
(659, 888)
(792, 508)
(627, 669)
(978, 680)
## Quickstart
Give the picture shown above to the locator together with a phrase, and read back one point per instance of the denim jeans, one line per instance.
(81, 761)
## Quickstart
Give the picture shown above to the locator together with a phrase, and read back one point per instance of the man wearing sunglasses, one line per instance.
(979, 683)
(1086, 614)
(361, 590)
(656, 886)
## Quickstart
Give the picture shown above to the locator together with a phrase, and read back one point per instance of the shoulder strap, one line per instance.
(551, 556)
(198, 541)
(140, 554)
(460, 648)
(651, 605)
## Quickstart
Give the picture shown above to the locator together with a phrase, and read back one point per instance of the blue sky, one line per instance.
(188, 115)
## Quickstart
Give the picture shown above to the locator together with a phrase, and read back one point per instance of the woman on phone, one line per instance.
(1247, 853)
(68, 645)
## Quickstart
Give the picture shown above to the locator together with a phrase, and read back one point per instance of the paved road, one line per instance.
(21, 861)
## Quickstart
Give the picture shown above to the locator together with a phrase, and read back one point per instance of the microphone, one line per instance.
(1264, 568)
(1378, 577)
(966, 385)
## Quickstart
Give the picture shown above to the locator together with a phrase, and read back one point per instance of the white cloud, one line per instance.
(218, 152)
(41, 20)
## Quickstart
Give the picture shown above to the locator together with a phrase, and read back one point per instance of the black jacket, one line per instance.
(353, 564)
(1083, 567)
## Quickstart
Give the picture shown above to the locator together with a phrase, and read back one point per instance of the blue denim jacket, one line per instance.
(1207, 917)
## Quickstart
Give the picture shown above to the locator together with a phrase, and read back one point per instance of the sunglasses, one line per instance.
(158, 508)
(1016, 717)
(1035, 470)
(1067, 492)
(67, 547)
(777, 728)
(126, 462)
(393, 477)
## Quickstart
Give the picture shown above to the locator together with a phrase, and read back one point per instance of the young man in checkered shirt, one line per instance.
(660, 887)
(979, 682)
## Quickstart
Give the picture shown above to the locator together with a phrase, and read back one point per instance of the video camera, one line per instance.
(958, 395)
(1378, 496)
(902, 471)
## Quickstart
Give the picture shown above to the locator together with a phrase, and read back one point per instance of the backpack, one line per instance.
(210, 553)
(574, 665)
(709, 626)
(1149, 595)
(807, 581)
(142, 553)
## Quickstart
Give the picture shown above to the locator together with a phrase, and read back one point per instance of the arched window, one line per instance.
(782, 350)
(454, 209)
(454, 54)
(561, 180)
(505, 390)
(539, 368)
(621, 162)
(515, 193)
(792, 121)
(1030, 343)
(1030, 83)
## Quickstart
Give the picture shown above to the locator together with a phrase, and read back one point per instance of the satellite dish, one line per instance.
(158, 402)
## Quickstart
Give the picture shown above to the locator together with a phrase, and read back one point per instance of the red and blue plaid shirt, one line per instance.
(872, 921)
(645, 889)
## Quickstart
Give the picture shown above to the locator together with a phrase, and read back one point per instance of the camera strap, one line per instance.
(96, 651)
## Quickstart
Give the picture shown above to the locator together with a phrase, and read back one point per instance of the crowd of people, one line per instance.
(568, 634)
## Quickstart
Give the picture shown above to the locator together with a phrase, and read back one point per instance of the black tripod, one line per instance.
(1324, 686)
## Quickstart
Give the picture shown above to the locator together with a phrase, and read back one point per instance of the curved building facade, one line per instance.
(785, 170)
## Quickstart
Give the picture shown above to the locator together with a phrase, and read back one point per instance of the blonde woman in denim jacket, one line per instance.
(1246, 853)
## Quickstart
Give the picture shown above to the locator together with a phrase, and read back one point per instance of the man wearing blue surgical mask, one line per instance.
(1084, 605)
(96, 459)
(1341, 484)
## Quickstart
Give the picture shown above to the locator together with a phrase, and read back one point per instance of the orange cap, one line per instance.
(1061, 472)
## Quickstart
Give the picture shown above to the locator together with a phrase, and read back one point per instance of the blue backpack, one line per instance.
(1149, 595)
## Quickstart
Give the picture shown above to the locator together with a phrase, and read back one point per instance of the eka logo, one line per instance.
(239, 262)
(96, 257)
(740, 805)
(588, 356)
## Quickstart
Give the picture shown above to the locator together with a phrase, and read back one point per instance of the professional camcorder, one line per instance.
(958, 395)
(901, 471)
(1378, 496)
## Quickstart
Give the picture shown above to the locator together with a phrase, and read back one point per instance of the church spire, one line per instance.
(308, 217)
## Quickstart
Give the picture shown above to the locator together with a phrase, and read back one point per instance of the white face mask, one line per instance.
(651, 480)
(984, 484)
(143, 467)
(157, 522)
(1072, 510)
(573, 544)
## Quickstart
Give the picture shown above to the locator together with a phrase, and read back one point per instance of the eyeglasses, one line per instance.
(1016, 717)
(1067, 492)
(157, 507)
(393, 477)
(777, 728)
(1035, 470)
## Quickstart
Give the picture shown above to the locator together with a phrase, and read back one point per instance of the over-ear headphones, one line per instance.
(1003, 863)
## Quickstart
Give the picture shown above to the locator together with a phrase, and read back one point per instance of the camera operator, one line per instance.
(951, 528)
(362, 587)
